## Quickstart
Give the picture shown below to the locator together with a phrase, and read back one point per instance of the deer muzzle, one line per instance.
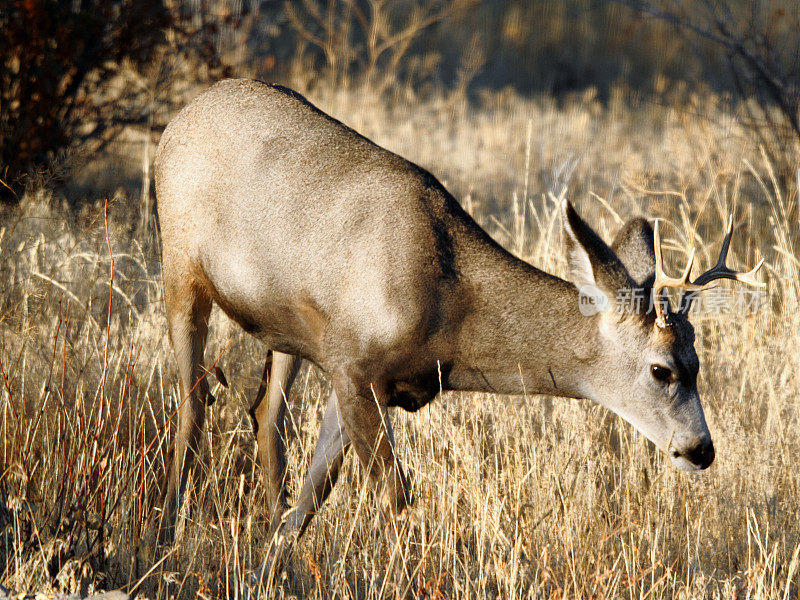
(692, 454)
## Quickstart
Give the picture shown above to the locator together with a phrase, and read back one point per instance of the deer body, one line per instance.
(331, 249)
(326, 246)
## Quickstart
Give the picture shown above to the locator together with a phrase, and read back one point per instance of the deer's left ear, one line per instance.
(591, 261)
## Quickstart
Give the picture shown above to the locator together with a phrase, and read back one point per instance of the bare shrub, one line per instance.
(759, 44)
(366, 40)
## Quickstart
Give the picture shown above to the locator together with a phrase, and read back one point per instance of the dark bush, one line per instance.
(60, 83)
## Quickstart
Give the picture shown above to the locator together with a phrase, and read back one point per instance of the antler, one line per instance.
(721, 271)
(662, 281)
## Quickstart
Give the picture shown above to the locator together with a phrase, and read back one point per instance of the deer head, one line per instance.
(645, 365)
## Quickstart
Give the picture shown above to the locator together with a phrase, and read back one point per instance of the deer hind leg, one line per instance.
(270, 425)
(188, 309)
(322, 474)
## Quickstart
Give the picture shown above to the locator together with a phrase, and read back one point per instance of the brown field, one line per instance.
(516, 497)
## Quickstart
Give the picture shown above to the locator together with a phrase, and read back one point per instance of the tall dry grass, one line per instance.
(517, 497)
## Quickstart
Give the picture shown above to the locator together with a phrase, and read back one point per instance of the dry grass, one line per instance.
(516, 497)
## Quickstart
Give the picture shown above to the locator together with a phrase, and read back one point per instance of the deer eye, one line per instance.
(661, 373)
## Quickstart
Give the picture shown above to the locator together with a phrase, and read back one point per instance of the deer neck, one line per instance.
(522, 333)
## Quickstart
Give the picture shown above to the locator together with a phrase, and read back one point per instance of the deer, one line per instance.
(333, 250)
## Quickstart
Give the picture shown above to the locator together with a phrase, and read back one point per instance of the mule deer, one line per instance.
(329, 248)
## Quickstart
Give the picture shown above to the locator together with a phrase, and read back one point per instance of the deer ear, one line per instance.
(591, 261)
(633, 245)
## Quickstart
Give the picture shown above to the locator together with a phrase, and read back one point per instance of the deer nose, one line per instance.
(700, 454)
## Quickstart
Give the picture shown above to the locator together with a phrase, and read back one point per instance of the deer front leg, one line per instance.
(270, 424)
(364, 420)
(372, 436)
(367, 422)
(322, 475)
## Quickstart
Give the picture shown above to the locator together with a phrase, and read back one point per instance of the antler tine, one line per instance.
(722, 271)
(663, 281)
(726, 242)
(750, 276)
